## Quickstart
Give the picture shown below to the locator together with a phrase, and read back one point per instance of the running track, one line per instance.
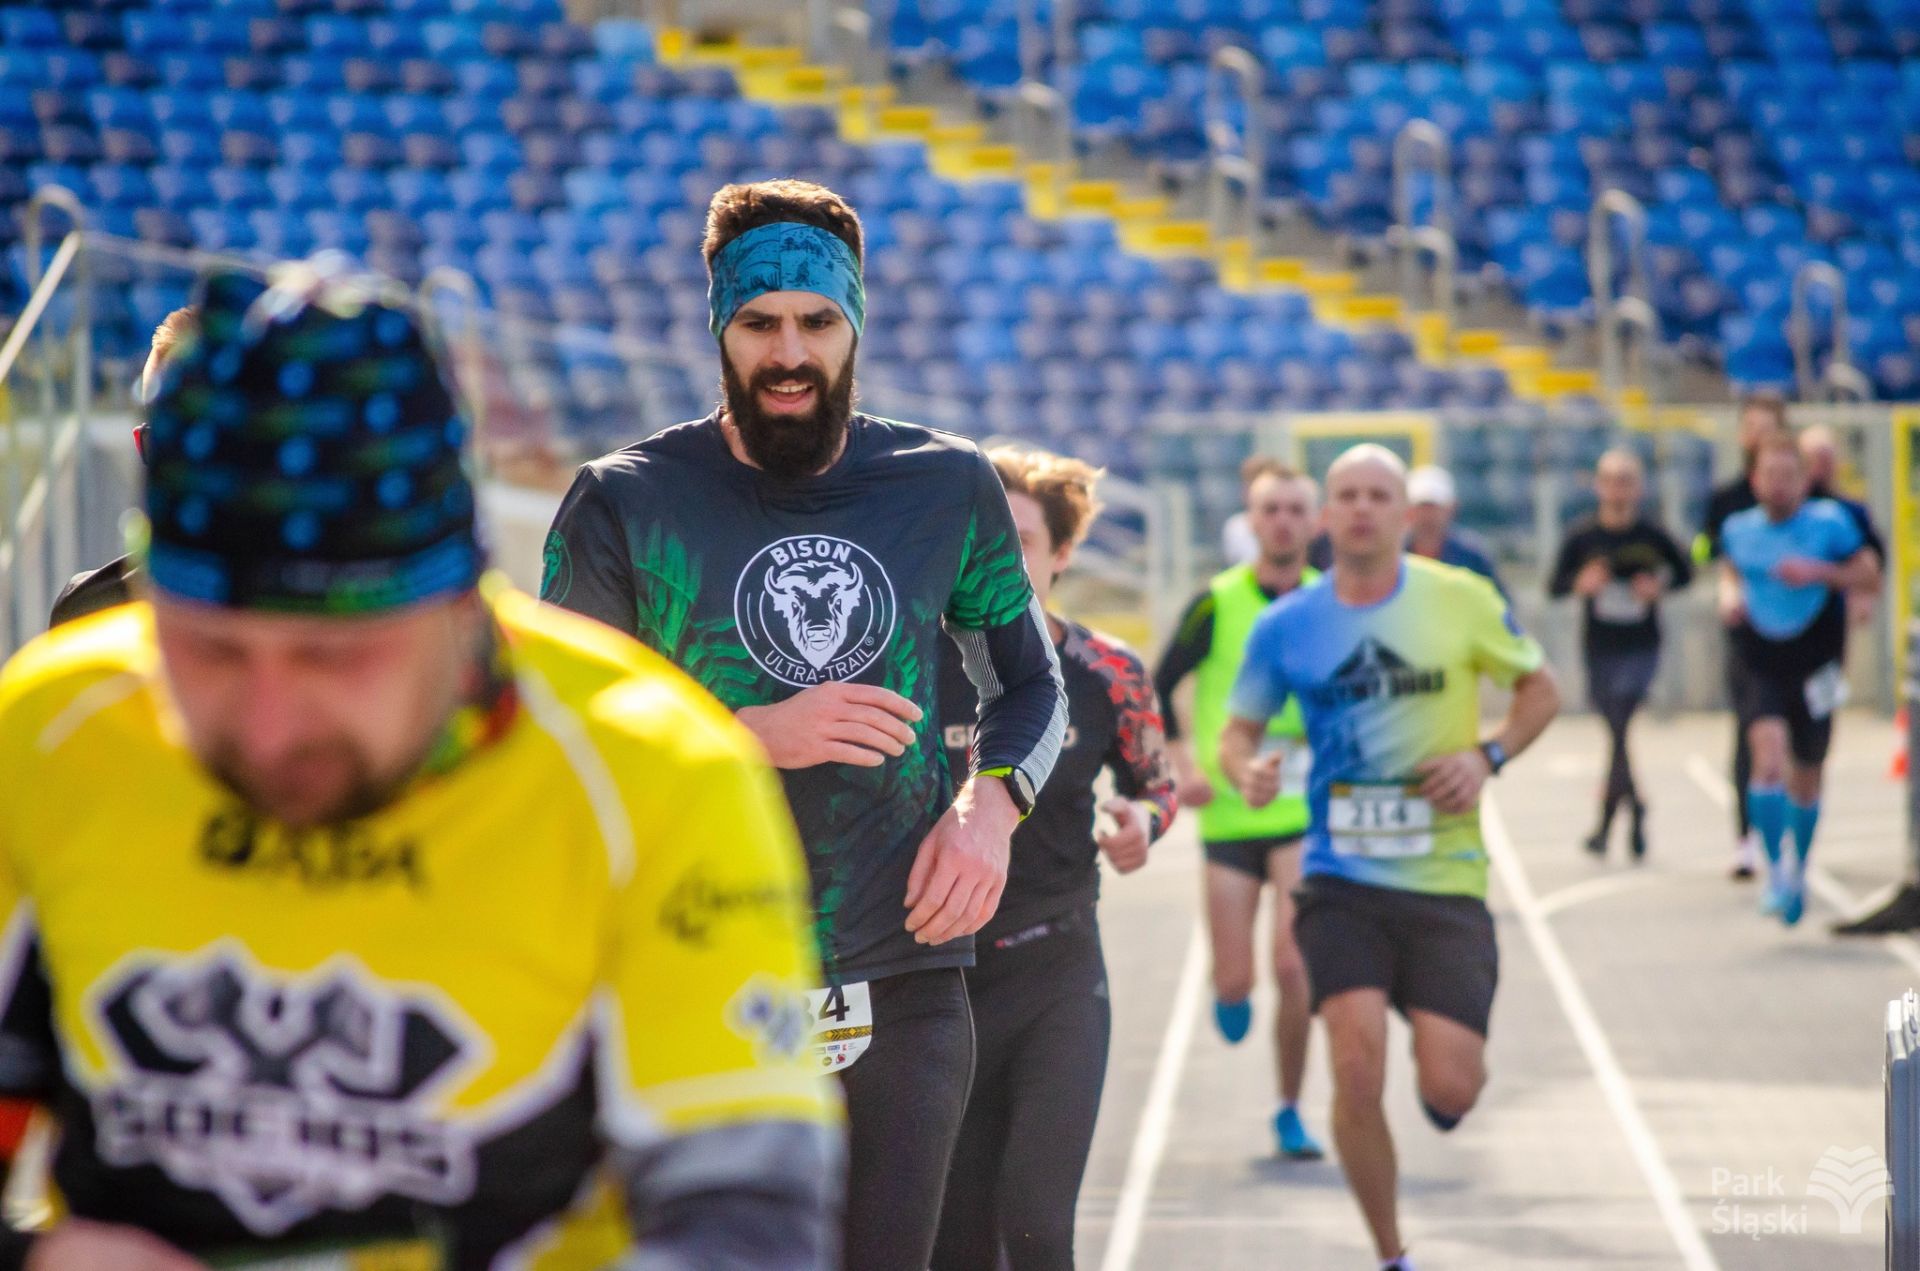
(1667, 1066)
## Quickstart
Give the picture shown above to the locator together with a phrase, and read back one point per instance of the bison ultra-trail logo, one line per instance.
(285, 1096)
(813, 608)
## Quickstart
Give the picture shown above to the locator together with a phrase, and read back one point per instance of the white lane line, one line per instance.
(1612, 1079)
(1156, 1115)
(1594, 889)
(1831, 891)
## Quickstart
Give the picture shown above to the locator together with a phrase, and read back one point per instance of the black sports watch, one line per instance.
(1496, 755)
(1019, 787)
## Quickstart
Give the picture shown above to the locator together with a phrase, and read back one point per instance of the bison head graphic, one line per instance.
(816, 598)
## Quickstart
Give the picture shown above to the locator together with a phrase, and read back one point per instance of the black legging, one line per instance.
(905, 1097)
(1742, 753)
(1043, 1018)
(1617, 683)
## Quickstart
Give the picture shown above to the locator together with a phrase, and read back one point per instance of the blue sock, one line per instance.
(1767, 810)
(1802, 817)
(1441, 1120)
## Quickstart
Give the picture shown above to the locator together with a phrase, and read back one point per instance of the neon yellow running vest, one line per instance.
(1237, 602)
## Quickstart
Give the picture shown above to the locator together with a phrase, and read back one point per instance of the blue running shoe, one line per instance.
(1233, 1019)
(1295, 1143)
(1793, 898)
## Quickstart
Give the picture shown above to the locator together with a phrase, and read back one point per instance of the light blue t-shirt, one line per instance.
(1755, 545)
(1383, 688)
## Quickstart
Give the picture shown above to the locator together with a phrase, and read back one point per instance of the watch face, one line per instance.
(1022, 790)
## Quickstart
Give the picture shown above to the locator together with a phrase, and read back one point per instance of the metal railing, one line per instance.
(38, 542)
(1418, 140)
(1230, 63)
(1841, 379)
(1610, 315)
(1043, 124)
(1417, 245)
(1035, 37)
(1224, 173)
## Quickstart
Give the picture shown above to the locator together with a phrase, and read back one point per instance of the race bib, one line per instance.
(1296, 764)
(1382, 822)
(1826, 690)
(842, 1024)
(1616, 603)
(404, 1255)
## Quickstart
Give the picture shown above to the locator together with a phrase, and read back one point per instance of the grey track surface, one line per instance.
(1750, 1051)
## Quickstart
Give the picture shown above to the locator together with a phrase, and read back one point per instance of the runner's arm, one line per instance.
(1192, 638)
(1565, 566)
(1138, 758)
(1005, 646)
(1679, 568)
(1859, 572)
(1259, 693)
(588, 567)
(725, 1140)
(1513, 659)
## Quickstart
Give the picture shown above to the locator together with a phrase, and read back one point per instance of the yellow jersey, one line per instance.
(430, 1029)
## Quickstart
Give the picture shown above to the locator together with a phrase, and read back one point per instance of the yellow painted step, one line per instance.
(1479, 342)
(671, 44)
(1329, 284)
(856, 96)
(1562, 382)
(957, 135)
(1167, 238)
(1634, 398)
(1369, 309)
(906, 121)
(975, 163)
(1432, 337)
(1236, 263)
(1085, 197)
(787, 85)
(1282, 271)
(1150, 207)
(1524, 357)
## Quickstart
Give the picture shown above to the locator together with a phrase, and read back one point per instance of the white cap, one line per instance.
(1431, 485)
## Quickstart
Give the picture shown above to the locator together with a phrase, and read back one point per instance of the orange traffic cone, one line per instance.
(1898, 768)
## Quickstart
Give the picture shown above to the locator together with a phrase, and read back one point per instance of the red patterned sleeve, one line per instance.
(1138, 760)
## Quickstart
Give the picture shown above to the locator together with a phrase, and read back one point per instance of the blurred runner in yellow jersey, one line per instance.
(356, 910)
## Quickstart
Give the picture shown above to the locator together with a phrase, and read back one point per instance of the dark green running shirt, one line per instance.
(760, 587)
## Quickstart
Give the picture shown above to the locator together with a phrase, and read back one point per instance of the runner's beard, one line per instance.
(789, 446)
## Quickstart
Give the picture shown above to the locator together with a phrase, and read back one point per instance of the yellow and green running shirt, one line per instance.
(1383, 688)
(538, 992)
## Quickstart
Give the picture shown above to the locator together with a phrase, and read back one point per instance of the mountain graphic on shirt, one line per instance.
(1374, 671)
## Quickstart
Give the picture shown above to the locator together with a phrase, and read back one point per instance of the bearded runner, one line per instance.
(805, 563)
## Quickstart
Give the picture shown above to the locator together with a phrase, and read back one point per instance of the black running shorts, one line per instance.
(1426, 952)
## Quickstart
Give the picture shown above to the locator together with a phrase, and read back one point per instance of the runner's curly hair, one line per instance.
(1062, 486)
(735, 209)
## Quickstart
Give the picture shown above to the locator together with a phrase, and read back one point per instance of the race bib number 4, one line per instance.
(1826, 690)
(1384, 822)
(842, 1024)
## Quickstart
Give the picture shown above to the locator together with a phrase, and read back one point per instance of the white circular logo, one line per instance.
(814, 608)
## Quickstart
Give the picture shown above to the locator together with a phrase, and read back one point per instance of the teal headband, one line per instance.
(786, 256)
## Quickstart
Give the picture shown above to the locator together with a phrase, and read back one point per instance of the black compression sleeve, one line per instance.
(1192, 641)
(588, 568)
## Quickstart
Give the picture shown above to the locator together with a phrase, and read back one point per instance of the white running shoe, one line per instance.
(1746, 856)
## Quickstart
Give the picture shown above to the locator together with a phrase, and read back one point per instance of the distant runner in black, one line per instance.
(1041, 1010)
(806, 564)
(1760, 413)
(111, 585)
(1620, 564)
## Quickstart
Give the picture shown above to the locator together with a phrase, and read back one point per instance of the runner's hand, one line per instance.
(1803, 571)
(1647, 587)
(1593, 576)
(1194, 791)
(961, 868)
(1733, 608)
(1262, 785)
(1451, 783)
(1860, 607)
(859, 724)
(79, 1245)
(1126, 846)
